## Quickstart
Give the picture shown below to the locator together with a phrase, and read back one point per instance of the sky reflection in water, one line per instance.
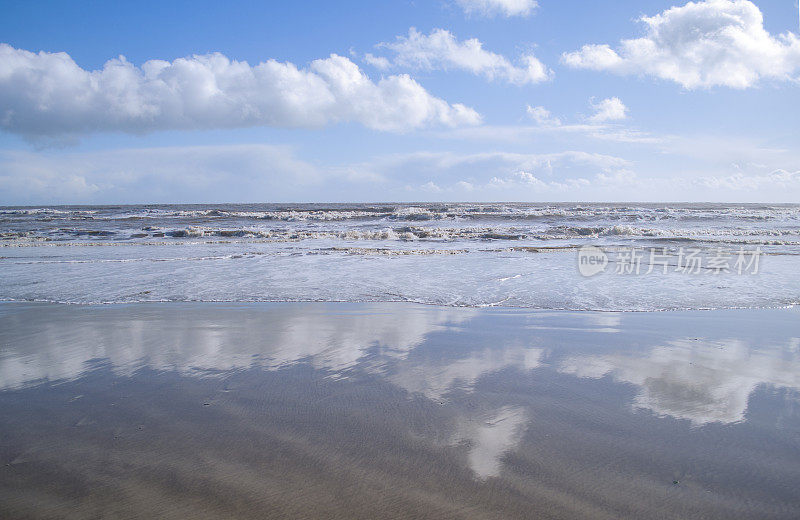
(694, 367)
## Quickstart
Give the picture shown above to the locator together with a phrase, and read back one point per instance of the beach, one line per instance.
(396, 410)
(446, 260)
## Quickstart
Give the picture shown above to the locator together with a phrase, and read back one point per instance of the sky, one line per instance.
(364, 101)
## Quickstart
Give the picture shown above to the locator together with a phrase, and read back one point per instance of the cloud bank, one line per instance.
(48, 94)
(255, 172)
(440, 50)
(505, 8)
(183, 174)
(700, 45)
(258, 172)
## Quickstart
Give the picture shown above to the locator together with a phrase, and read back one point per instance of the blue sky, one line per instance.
(425, 100)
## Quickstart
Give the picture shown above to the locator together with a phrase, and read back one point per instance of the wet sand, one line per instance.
(396, 411)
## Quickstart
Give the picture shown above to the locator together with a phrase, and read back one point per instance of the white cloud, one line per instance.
(441, 50)
(48, 94)
(542, 116)
(505, 8)
(379, 62)
(549, 126)
(431, 187)
(700, 45)
(610, 109)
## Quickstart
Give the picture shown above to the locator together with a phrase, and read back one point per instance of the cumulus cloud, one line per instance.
(48, 94)
(505, 8)
(700, 45)
(441, 50)
(609, 109)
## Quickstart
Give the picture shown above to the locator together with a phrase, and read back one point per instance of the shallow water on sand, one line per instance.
(383, 410)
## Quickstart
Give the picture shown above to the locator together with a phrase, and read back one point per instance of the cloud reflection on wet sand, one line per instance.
(395, 410)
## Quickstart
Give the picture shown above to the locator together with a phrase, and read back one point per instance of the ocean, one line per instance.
(462, 254)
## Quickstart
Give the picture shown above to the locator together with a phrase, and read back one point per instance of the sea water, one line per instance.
(471, 255)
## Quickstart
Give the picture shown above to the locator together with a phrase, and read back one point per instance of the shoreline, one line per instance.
(400, 302)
